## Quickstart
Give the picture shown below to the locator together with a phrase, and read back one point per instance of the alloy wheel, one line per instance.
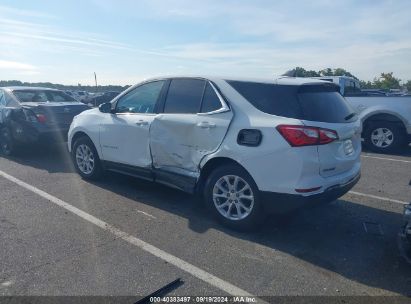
(382, 137)
(233, 197)
(85, 159)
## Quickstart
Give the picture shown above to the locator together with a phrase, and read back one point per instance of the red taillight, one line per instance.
(327, 136)
(298, 136)
(41, 118)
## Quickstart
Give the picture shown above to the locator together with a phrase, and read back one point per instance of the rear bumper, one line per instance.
(57, 136)
(284, 203)
(33, 134)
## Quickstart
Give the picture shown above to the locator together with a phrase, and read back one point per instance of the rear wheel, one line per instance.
(233, 197)
(384, 137)
(85, 158)
(6, 142)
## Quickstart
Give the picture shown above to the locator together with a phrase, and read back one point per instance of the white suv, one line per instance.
(249, 147)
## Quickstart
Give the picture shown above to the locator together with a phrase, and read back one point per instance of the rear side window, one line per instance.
(280, 100)
(184, 96)
(211, 102)
(322, 103)
(42, 96)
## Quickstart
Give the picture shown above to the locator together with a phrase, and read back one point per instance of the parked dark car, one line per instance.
(31, 115)
(105, 97)
(404, 237)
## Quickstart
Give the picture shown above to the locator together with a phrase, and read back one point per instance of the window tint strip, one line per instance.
(318, 88)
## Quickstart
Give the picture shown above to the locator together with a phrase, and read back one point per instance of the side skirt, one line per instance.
(176, 180)
(171, 179)
(143, 173)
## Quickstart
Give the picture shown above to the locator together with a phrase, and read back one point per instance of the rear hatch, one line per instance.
(323, 107)
(315, 104)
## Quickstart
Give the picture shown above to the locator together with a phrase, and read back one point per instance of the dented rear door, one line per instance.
(193, 124)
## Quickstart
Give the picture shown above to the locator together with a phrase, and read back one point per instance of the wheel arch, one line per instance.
(382, 117)
(79, 134)
(380, 120)
(210, 165)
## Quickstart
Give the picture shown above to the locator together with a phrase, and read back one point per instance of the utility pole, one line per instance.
(95, 79)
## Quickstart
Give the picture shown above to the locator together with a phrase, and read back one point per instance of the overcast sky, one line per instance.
(125, 41)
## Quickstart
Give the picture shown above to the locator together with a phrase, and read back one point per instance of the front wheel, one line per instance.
(384, 137)
(6, 142)
(86, 160)
(233, 197)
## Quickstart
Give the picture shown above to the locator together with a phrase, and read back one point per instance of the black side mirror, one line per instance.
(105, 107)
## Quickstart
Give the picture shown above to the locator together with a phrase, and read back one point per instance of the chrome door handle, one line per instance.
(206, 125)
(142, 123)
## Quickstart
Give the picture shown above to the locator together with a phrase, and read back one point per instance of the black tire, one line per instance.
(398, 137)
(97, 170)
(256, 216)
(7, 146)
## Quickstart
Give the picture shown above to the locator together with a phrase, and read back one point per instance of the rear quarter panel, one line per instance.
(274, 165)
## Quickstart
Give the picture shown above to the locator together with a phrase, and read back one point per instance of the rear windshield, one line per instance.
(42, 96)
(325, 104)
(321, 103)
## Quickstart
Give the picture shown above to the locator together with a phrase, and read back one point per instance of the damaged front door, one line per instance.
(193, 124)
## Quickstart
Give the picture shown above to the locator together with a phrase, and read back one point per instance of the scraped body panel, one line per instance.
(179, 142)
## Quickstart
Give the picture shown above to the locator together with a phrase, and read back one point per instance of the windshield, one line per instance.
(42, 96)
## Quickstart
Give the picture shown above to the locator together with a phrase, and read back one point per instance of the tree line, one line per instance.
(79, 87)
(385, 81)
